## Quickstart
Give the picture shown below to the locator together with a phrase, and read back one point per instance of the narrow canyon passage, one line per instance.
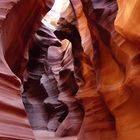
(69, 70)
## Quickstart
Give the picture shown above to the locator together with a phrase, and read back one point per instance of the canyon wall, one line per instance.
(116, 62)
(18, 21)
(109, 31)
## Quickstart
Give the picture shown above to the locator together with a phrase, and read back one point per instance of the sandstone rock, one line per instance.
(114, 86)
(85, 78)
(13, 120)
(68, 88)
(105, 65)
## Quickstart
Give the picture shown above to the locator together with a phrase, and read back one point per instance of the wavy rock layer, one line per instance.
(111, 102)
(15, 33)
(127, 20)
(117, 65)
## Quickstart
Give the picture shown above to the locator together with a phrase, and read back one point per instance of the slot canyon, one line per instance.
(69, 70)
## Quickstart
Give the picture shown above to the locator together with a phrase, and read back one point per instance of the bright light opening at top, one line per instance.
(54, 14)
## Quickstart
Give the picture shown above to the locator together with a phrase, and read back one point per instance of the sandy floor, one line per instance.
(45, 135)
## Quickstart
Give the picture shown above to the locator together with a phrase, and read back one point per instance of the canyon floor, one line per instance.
(45, 135)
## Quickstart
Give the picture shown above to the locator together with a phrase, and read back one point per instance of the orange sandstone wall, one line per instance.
(117, 61)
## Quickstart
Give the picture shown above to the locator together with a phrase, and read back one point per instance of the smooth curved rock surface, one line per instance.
(13, 43)
(115, 66)
(126, 22)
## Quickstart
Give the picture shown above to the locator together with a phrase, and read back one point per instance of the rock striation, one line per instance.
(87, 85)
(16, 28)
